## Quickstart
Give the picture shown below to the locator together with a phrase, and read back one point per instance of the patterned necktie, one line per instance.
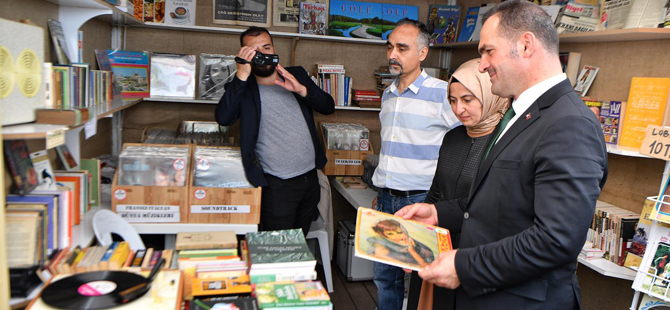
(503, 123)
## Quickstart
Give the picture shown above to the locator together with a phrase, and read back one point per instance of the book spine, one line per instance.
(104, 262)
(139, 257)
(282, 277)
(156, 255)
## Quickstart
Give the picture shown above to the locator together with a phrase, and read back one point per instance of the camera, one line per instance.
(260, 60)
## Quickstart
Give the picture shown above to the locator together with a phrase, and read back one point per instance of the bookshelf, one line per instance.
(609, 269)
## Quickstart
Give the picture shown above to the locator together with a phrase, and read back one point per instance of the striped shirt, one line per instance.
(413, 125)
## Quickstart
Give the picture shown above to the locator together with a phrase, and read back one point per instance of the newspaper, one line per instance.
(286, 12)
(578, 18)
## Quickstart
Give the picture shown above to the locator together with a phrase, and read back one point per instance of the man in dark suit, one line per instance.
(533, 199)
(279, 144)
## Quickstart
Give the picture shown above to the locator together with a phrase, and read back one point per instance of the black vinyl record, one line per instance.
(93, 290)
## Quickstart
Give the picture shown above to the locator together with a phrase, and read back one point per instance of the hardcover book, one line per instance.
(236, 304)
(368, 20)
(69, 163)
(443, 23)
(299, 294)
(313, 18)
(206, 240)
(172, 76)
(469, 25)
(21, 166)
(646, 105)
(131, 72)
(58, 41)
(391, 240)
(279, 249)
(45, 174)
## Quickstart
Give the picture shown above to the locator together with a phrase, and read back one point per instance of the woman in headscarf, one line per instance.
(462, 148)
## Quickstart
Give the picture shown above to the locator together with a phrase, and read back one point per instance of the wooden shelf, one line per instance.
(181, 100)
(356, 108)
(174, 228)
(116, 15)
(276, 34)
(625, 151)
(618, 35)
(610, 269)
(31, 131)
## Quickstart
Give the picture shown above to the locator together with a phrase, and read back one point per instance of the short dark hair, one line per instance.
(424, 35)
(519, 16)
(254, 31)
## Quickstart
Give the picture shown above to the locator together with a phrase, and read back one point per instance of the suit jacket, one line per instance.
(242, 101)
(529, 208)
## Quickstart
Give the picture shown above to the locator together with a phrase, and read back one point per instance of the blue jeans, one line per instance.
(390, 280)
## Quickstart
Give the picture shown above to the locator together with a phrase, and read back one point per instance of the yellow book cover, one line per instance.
(120, 255)
(206, 240)
(647, 101)
(389, 239)
(221, 286)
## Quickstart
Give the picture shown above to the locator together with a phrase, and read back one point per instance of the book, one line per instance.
(131, 72)
(69, 163)
(299, 294)
(570, 65)
(206, 240)
(659, 277)
(469, 25)
(49, 93)
(611, 113)
(279, 249)
(653, 303)
(181, 13)
(313, 18)
(58, 41)
(172, 76)
(221, 286)
(22, 233)
(43, 170)
(369, 20)
(21, 166)
(237, 304)
(443, 23)
(389, 239)
(585, 79)
(639, 113)
(68, 117)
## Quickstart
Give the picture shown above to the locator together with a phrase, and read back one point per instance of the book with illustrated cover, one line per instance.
(469, 25)
(660, 269)
(45, 174)
(58, 41)
(69, 163)
(172, 76)
(585, 79)
(216, 304)
(131, 72)
(443, 23)
(21, 166)
(304, 295)
(313, 18)
(391, 240)
(653, 303)
(611, 113)
(279, 249)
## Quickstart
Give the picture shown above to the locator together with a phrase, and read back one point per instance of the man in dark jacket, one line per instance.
(280, 148)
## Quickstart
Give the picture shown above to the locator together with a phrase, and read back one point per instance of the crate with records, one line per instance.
(218, 188)
(150, 183)
(346, 147)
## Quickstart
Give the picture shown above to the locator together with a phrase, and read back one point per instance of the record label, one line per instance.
(97, 288)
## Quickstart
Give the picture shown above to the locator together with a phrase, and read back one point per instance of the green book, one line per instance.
(93, 167)
(279, 249)
(298, 294)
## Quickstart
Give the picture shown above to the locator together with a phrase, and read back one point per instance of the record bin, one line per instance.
(226, 205)
(152, 204)
(344, 162)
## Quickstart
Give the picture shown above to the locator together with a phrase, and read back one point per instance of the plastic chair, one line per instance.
(318, 230)
(106, 222)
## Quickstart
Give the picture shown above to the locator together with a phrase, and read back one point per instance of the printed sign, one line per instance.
(656, 142)
(146, 208)
(221, 209)
(348, 162)
(150, 217)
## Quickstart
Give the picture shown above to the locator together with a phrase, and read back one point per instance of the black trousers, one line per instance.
(290, 203)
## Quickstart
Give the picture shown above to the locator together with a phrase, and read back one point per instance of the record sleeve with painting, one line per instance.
(391, 240)
(215, 72)
(172, 75)
(153, 166)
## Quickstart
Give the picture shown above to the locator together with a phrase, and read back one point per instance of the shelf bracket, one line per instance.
(72, 18)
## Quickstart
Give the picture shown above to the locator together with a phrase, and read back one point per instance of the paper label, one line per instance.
(200, 194)
(150, 217)
(147, 208)
(348, 162)
(656, 142)
(179, 164)
(97, 288)
(221, 209)
(120, 194)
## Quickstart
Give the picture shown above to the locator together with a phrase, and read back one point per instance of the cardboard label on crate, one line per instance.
(348, 162)
(200, 194)
(150, 217)
(656, 142)
(120, 194)
(221, 209)
(364, 145)
(147, 208)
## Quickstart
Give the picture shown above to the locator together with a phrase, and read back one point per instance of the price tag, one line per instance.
(656, 142)
(55, 138)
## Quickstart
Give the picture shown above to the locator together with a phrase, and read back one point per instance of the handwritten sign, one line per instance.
(656, 142)
(647, 103)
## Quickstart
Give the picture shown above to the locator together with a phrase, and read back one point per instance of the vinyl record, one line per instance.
(92, 290)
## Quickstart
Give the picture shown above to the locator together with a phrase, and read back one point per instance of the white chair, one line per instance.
(106, 222)
(318, 231)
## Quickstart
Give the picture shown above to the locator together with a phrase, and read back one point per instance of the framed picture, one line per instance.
(69, 163)
(243, 12)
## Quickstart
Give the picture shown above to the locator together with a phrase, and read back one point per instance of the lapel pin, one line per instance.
(528, 116)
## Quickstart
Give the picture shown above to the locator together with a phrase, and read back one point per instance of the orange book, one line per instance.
(221, 286)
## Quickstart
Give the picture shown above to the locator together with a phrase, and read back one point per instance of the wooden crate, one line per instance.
(152, 204)
(341, 162)
(223, 205)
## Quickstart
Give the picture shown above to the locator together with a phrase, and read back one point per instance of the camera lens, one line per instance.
(258, 59)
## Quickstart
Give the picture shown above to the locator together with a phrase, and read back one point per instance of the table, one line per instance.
(355, 196)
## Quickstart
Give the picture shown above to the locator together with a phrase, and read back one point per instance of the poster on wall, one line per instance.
(243, 12)
(287, 12)
(367, 20)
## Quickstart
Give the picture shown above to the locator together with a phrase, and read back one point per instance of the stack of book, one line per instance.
(279, 256)
(331, 79)
(384, 78)
(309, 295)
(612, 231)
(588, 252)
(367, 98)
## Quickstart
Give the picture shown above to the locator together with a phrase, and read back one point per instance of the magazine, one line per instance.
(313, 18)
(660, 268)
(443, 23)
(389, 239)
(585, 79)
(131, 72)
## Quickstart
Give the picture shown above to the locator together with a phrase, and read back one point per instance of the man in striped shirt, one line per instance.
(415, 116)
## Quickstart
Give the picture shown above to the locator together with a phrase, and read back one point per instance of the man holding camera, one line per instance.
(279, 144)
